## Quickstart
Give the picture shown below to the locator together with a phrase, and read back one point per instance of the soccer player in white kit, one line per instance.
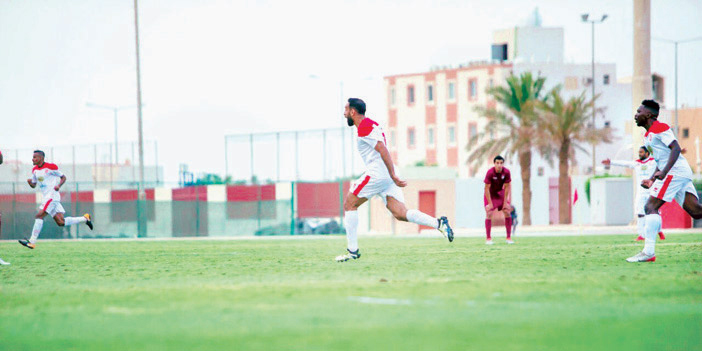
(671, 180)
(50, 180)
(379, 179)
(644, 168)
(1, 261)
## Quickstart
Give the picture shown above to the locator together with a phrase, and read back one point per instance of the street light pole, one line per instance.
(676, 42)
(585, 18)
(115, 110)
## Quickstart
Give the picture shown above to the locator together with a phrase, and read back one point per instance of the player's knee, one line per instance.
(400, 216)
(60, 223)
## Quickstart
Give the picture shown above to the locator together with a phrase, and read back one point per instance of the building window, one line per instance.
(452, 135)
(686, 133)
(430, 136)
(392, 96)
(472, 131)
(410, 137)
(605, 79)
(410, 95)
(452, 91)
(430, 92)
(392, 138)
(472, 89)
(571, 83)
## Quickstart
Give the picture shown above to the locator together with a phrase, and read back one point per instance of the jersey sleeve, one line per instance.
(34, 178)
(54, 171)
(667, 137)
(487, 179)
(508, 177)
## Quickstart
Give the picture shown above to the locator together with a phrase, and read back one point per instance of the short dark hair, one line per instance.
(358, 105)
(498, 157)
(652, 106)
(645, 149)
(40, 153)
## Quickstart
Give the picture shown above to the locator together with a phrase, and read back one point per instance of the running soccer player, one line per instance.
(379, 179)
(1, 260)
(672, 179)
(50, 181)
(497, 197)
(644, 168)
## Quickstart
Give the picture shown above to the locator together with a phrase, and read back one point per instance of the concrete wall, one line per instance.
(612, 201)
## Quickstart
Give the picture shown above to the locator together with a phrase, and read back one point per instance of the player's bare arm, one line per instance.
(488, 207)
(63, 180)
(674, 154)
(31, 183)
(387, 160)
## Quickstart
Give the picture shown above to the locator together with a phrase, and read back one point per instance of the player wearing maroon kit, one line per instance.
(498, 196)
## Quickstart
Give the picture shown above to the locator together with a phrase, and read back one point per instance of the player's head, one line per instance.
(353, 109)
(647, 111)
(499, 162)
(643, 153)
(38, 157)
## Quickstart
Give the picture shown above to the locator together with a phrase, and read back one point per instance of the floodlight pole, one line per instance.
(141, 220)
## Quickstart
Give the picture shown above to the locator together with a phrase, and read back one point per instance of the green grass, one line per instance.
(563, 293)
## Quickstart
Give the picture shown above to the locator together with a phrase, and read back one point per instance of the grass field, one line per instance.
(556, 293)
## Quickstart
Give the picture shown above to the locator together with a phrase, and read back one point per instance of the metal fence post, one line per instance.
(292, 208)
(252, 156)
(14, 208)
(226, 157)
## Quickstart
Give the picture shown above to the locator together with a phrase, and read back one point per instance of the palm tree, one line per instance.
(510, 128)
(565, 126)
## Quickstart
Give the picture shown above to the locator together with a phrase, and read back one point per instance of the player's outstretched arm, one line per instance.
(620, 163)
(387, 160)
(31, 183)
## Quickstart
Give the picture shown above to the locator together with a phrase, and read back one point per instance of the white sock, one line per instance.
(653, 226)
(351, 225)
(417, 217)
(641, 226)
(74, 220)
(38, 223)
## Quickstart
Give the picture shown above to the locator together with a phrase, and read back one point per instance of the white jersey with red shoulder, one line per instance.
(658, 139)
(369, 134)
(47, 177)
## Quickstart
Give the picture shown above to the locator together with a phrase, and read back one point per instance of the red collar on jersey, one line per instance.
(366, 127)
(657, 127)
(46, 165)
(645, 161)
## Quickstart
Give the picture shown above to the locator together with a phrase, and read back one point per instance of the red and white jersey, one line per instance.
(658, 139)
(643, 169)
(47, 177)
(369, 134)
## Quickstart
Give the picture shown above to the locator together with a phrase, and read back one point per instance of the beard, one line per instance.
(349, 121)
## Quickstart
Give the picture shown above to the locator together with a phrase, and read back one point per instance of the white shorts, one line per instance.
(672, 188)
(367, 187)
(52, 207)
